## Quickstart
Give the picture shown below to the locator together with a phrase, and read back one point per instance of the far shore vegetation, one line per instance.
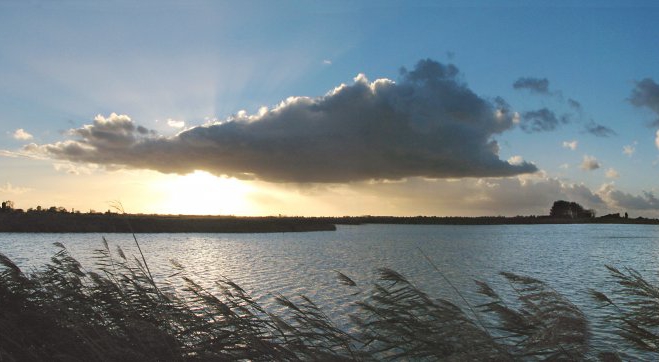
(59, 220)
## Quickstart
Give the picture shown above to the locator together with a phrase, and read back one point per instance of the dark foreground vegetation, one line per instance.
(119, 313)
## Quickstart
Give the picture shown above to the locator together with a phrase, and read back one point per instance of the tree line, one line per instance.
(8, 206)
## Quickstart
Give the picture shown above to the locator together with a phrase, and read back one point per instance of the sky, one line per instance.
(313, 108)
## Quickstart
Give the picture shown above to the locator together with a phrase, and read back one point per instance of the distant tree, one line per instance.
(571, 210)
(7, 205)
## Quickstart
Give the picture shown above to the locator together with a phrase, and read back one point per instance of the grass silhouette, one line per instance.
(119, 313)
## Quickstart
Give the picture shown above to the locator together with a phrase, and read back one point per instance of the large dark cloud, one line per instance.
(427, 124)
(542, 120)
(646, 94)
(535, 85)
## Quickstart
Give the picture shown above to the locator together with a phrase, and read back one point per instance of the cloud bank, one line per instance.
(621, 199)
(428, 124)
(521, 195)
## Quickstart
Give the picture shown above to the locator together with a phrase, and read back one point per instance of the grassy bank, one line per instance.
(119, 313)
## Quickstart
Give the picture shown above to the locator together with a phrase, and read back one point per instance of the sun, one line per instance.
(201, 193)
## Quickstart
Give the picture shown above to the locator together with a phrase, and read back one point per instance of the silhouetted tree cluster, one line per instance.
(7, 206)
(52, 209)
(571, 210)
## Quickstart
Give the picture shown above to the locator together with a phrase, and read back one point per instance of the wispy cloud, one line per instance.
(427, 124)
(570, 144)
(327, 62)
(21, 135)
(589, 163)
(574, 104)
(8, 188)
(599, 130)
(656, 140)
(542, 120)
(74, 169)
(545, 119)
(535, 85)
(629, 149)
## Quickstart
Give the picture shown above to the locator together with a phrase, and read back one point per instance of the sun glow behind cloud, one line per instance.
(200, 193)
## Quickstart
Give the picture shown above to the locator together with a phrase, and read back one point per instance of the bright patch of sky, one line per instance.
(568, 90)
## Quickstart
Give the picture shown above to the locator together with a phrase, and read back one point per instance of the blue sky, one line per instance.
(172, 67)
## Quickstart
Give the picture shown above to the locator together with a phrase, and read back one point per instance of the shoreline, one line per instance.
(489, 220)
(46, 222)
(58, 222)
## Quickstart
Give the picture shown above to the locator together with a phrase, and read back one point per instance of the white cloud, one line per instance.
(516, 160)
(589, 163)
(629, 149)
(612, 173)
(656, 140)
(21, 135)
(570, 144)
(327, 62)
(175, 124)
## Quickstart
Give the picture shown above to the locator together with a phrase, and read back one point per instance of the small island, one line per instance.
(60, 220)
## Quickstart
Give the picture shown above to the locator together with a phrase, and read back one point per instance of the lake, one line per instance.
(570, 258)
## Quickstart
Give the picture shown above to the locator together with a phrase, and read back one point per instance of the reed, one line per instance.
(118, 312)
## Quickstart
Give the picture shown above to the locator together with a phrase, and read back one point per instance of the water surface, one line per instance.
(570, 258)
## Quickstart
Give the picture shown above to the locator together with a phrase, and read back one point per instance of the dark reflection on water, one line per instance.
(570, 258)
